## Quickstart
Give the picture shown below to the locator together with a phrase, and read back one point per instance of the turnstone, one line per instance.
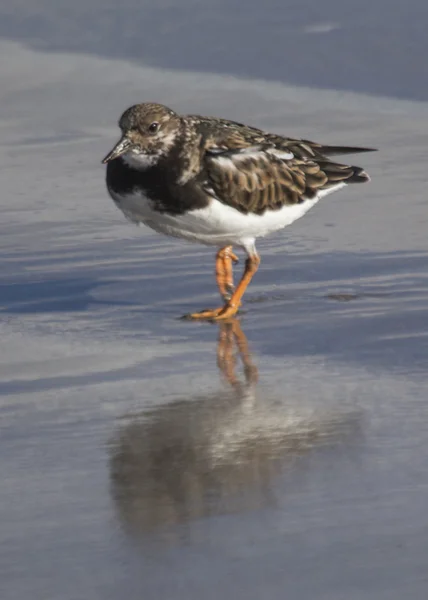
(220, 183)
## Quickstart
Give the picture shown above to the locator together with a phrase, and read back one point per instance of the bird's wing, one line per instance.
(254, 172)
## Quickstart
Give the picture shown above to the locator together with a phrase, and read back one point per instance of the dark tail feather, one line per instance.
(336, 172)
(336, 150)
(358, 176)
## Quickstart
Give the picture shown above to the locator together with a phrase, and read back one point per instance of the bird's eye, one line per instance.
(153, 127)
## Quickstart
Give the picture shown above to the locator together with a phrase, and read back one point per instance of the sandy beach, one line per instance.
(133, 462)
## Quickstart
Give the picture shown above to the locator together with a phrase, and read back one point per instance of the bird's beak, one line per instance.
(122, 146)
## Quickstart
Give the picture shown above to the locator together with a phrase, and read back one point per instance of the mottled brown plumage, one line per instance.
(253, 171)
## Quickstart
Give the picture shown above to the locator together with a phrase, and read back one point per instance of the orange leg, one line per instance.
(224, 271)
(231, 307)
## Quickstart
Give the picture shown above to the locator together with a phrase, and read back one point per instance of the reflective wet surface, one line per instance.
(208, 455)
(282, 454)
(210, 465)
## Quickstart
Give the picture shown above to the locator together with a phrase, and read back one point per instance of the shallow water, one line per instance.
(137, 457)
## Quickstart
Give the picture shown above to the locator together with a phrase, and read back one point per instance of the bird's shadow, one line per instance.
(214, 454)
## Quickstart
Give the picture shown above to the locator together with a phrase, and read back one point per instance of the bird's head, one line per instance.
(148, 133)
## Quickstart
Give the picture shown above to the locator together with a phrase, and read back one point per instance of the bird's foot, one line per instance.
(218, 314)
(231, 307)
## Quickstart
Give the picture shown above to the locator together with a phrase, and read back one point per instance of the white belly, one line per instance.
(217, 224)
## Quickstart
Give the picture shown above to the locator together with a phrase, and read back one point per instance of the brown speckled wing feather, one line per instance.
(253, 172)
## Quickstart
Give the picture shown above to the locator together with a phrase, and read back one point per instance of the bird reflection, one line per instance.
(212, 454)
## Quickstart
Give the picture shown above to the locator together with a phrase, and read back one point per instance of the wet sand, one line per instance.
(373, 47)
(137, 458)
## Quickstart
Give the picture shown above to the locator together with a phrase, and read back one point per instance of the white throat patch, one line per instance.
(140, 161)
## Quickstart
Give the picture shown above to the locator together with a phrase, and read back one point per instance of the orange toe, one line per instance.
(224, 312)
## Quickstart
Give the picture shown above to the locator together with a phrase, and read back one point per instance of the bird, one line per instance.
(220, 183)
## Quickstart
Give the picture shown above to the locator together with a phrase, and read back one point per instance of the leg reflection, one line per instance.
(231, 336)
